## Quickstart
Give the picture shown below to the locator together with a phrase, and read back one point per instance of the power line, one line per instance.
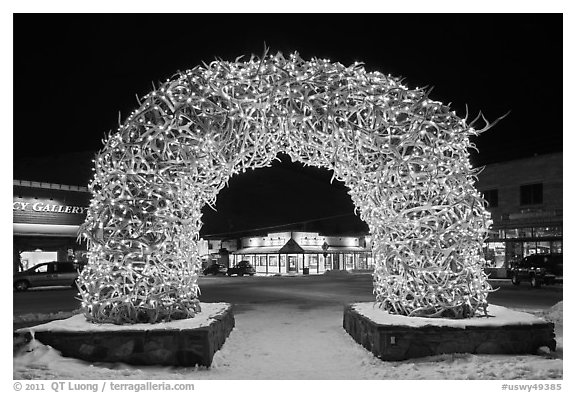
(278, 226)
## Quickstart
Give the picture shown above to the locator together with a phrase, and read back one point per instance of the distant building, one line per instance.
(304, 253)
(525, 200)
(216, 251)
(46, 218)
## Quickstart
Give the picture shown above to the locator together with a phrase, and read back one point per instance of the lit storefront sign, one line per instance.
(48, 210)
(47, 207)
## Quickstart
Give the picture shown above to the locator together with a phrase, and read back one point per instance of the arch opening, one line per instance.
(285, 196)
(402, 155)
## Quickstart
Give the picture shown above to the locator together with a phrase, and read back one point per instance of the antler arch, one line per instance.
(402, 155)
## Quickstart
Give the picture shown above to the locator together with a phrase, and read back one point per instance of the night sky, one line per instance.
(74, 74)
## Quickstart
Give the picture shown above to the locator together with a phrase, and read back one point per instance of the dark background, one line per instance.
(74, 74)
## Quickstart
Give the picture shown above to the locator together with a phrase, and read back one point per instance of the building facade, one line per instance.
(525, 199)
(304, 253)
(216, 251)
(46, 218)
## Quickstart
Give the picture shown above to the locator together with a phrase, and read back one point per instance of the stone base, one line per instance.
(394, 337)
(187, 342)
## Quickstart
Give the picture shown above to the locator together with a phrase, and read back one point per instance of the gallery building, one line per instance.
(46, 218)
(525, 200)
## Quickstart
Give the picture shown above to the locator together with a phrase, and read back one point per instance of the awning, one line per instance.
(21, 229)
(258, 250)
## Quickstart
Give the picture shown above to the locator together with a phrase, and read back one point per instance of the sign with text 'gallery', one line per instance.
(48, 207)
(56, 207)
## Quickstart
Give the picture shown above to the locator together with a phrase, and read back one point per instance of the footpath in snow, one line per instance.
(287, 342)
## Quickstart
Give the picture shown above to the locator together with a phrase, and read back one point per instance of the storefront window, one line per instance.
(495, 254)
(556, 247)
(262, 260)
(362, 262)
(328, 262)
(530, 248)
(524, 232)
(349, 261)
(511, 233)
(321, 263)
(513, 253)
(518, 232)
(543, 247)
(547, 231)
(301, 261)
(313, 261)
(273, 260)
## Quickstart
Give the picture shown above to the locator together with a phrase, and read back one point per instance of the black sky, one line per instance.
(73, 74)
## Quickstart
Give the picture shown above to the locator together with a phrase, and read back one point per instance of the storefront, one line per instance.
(46, 218)
(509, 245)
(525, 200)
(305, 253)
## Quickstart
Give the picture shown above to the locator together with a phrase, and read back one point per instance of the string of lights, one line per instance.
(403, 156)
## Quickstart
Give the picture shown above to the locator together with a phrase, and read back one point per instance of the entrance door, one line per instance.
(292, 263)
(336, 261)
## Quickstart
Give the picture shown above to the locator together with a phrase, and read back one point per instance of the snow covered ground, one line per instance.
(291, 343)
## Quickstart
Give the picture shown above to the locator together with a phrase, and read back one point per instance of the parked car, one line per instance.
(47, 274)
(242, 268)
(215, 269)
(538, 269)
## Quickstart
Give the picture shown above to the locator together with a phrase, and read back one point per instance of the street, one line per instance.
(304, 292)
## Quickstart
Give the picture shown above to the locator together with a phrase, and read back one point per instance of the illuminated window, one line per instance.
(273, 261)
(328, 262)
(556, 247)
(547, 231)
(313, 261)
(524, 232)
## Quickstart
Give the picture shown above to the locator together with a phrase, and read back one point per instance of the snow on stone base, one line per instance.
(397, 337)
(497, 316)
(185, 342)
(78, 323)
